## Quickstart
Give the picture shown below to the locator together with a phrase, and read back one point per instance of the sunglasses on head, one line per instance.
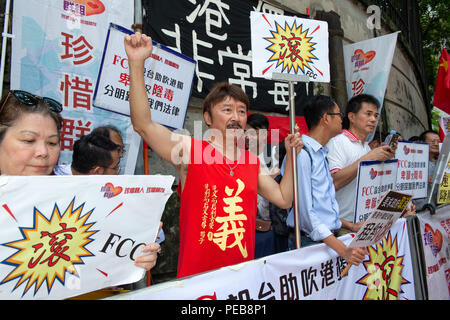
(30, 99)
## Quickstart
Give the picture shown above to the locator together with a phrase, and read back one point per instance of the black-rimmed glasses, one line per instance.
(336, 114)
(115, 169)
(30, 99)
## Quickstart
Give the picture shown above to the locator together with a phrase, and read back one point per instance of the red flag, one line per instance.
(283, 124)
(441, 98)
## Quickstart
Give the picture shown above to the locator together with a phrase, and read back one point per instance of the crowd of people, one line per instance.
(30, 145)
(245, 194)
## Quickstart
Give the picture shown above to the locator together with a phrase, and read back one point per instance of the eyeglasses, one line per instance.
(120, 150)
(116, 169)
(30, 99)
(336, 114)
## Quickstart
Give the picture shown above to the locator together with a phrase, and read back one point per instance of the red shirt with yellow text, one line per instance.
(218, 210)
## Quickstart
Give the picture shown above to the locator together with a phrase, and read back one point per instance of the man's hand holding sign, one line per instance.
(390, 208)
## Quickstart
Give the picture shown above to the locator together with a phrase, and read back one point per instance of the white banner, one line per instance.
(291, 45)
(435, 231)
(311, 273)
(60, 240)
(56, 52)
(374, 179)
(168, 77)
(367, 65)
(412, 173)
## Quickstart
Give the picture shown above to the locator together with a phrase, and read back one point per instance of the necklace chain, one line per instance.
(225, 159)
(231, 169)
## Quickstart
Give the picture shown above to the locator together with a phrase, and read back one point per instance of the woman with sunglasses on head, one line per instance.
(29, 134)
(29, 144)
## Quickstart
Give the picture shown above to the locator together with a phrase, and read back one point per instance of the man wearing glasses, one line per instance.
(93, 154)
(318, 208)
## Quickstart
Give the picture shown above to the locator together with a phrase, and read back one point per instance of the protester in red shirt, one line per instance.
(219, 181)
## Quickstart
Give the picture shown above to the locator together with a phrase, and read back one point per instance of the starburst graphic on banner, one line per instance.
(50, 248)
(384, 271)
(291, 47)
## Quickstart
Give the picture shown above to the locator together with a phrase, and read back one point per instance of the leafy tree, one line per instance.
(435, 28)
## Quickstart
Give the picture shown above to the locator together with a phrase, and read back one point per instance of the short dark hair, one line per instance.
(423, 135)
(105, 130)
(222, 90)
(315, 108)
(92, 150)
(355, 104)
(258, 121)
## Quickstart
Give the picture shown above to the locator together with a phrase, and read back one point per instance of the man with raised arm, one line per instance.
(219, 181)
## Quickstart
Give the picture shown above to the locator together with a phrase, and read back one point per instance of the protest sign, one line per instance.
(442, 169)
(168, 78)
(443, 196)
(444, 125)
(66, 240)
(216, 34)
(367, 65)
(435, 234)
(381, 219)
(291, 45)
(412, 173)
(310, 273)
(374, 179)
(56, 52)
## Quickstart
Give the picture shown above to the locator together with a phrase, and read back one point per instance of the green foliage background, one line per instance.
(435, 28)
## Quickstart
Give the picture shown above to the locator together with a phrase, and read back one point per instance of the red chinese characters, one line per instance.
(71, 131)
(78, 50)
(358, 87)
(57, 246)
(80, 90)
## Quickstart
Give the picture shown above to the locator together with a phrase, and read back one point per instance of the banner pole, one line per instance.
(5, 37)
(294, 166)
(138, 27)
(291, 79)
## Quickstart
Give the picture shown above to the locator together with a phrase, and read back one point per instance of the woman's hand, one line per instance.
(148, 260)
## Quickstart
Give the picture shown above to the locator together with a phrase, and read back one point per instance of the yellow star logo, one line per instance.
(50, 248)
(444, 63)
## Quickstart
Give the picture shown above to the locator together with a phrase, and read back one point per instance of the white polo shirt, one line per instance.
(343, 150)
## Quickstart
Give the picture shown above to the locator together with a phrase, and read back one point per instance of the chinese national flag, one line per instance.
(283, 124)
(441, 98)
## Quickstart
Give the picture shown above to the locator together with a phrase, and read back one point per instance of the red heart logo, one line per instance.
(373, 174)
(92, 6)
(367, 57)
(436, 238)
(113, 190)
